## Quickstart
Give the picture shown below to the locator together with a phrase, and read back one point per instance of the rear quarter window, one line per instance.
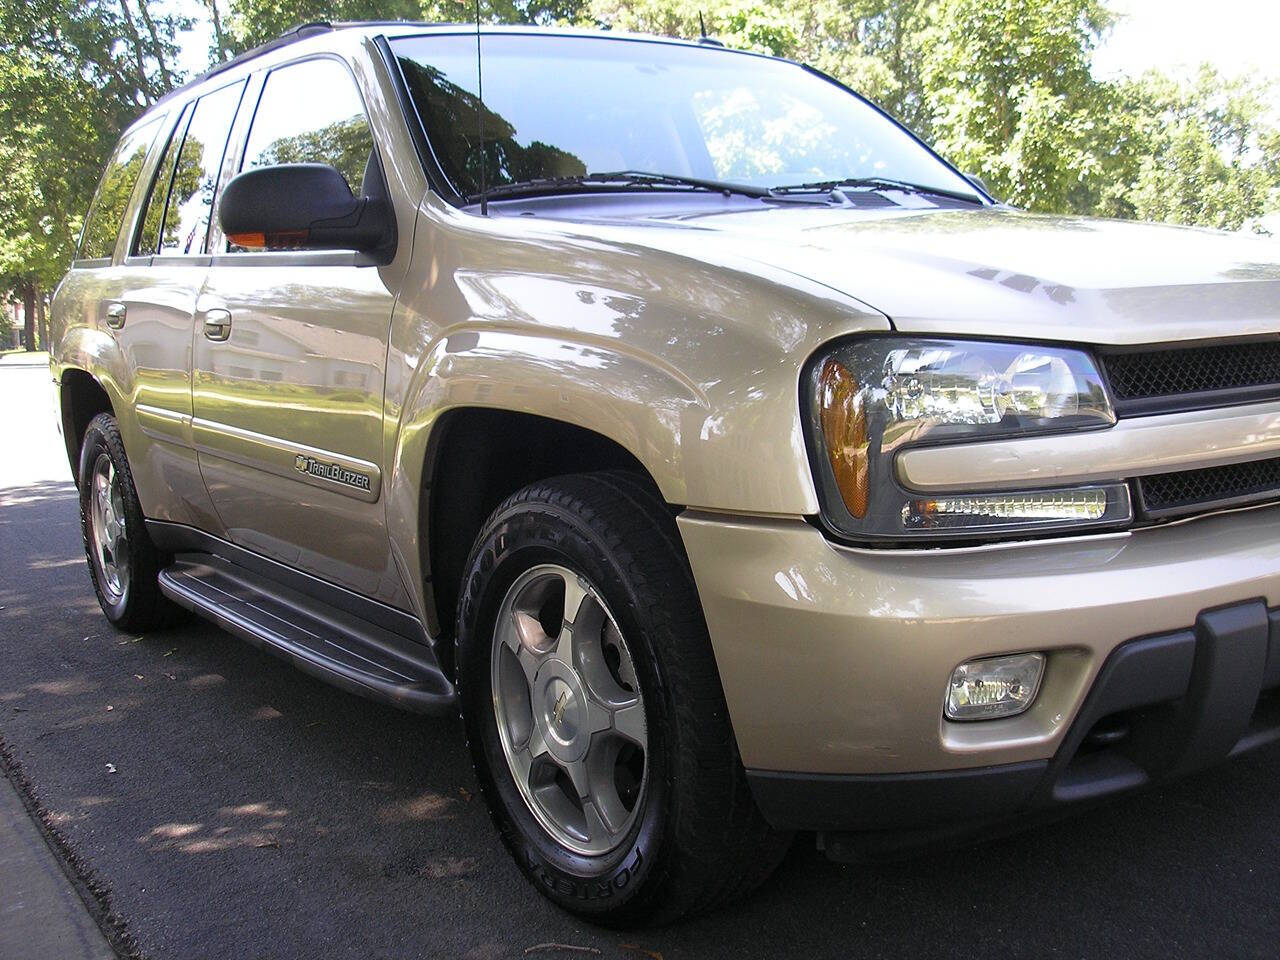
(106, 213)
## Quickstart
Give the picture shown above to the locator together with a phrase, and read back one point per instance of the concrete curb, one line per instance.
(41, 914)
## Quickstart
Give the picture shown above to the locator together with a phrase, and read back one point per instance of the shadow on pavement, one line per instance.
(235, 807)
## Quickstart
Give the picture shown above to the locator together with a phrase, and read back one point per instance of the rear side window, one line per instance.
(311, 112)
(195, 174)
(148, 239)
(106, 213)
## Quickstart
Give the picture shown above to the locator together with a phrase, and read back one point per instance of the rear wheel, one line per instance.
(594, 710)
(123, 562)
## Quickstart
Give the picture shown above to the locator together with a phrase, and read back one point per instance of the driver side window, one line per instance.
(311, 112)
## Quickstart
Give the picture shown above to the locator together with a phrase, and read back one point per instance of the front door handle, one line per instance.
(217, 325)
(116, 313)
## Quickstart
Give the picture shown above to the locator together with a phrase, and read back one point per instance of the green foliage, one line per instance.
(1011, 96)
(251, 22)
(1004, 89)
(1209, 159)
(72, 76)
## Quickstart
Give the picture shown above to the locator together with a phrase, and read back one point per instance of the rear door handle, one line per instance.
(217, 325)
(116, 313)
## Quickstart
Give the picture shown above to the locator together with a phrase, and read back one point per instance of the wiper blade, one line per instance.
(622, 179)
(875, 183)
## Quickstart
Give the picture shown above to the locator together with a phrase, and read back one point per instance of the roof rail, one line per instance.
(301, 32)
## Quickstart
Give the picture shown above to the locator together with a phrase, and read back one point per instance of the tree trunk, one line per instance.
(29, 315)
(217, 29)
(134, 42)
(156, 47)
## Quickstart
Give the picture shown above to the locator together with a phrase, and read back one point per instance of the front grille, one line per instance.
(1187, 377)
(1193, 491)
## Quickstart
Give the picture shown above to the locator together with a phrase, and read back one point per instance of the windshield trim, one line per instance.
(441, 183)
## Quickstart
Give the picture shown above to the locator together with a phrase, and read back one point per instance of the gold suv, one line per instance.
(734, 464)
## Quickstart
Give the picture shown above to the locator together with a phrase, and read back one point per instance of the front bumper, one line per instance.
(835, 662)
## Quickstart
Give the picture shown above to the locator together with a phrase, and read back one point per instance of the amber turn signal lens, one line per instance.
(283, 240)
(249, 241)
(844, 427)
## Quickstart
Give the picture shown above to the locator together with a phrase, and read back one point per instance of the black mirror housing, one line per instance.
(303, 206)
(978, 182)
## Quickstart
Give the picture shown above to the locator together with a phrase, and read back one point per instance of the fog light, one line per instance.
(1036, 508)
(995, 687)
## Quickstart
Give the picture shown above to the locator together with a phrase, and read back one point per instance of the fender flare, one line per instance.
(575, 381)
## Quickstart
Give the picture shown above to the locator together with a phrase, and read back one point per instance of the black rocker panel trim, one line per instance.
(323, 641)
(175, 538)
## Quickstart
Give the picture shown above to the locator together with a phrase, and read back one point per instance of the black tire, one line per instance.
(139, 605)
(698, 840)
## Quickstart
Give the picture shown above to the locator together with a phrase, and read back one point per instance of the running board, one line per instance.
(335, 645)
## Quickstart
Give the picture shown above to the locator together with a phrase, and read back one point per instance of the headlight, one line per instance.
(873, 396)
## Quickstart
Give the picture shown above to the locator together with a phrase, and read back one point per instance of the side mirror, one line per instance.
(981, 184)
(302, 206)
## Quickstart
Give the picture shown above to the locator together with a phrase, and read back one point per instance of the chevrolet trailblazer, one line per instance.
(732, 463)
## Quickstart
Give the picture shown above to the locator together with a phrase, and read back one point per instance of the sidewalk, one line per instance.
(41, 916)
(22, 358)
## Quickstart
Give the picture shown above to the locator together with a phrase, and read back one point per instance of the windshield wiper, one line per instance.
(875, 183)
(622, 179)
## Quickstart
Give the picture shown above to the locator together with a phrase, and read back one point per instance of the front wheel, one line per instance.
(594, 710)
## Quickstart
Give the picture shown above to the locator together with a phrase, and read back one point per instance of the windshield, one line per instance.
(558, 106)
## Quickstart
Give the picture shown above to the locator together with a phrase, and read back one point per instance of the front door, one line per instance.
(290, 356)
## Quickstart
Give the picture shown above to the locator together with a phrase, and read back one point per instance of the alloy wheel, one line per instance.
(110, 540)
(569, 711)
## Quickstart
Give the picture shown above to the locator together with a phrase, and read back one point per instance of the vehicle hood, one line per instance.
(1001, 272)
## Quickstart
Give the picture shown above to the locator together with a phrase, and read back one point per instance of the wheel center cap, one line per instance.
(560, 710)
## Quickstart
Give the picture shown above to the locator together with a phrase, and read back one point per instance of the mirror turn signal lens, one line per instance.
(994, 687)
(844, 429)
(282, 240)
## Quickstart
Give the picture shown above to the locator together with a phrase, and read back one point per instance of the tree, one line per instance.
(221, 50)
(252, 22)
(72, 75)
(1209, 157)
(1011, 96)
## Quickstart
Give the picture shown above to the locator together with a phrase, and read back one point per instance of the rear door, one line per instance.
(163, 274)
(94, 293)
(290, 359)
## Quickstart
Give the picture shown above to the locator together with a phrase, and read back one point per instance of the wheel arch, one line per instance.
(536, 405)
(80, 398)
(477, 457)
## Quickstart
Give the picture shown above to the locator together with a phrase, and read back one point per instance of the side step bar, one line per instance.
(333, 644)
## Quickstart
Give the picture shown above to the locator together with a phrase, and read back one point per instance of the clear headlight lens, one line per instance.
(874, 396)
(967, 387)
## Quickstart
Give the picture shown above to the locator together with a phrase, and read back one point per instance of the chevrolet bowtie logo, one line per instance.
(557, 711)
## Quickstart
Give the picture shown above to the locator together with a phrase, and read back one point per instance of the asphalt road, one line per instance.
(221, 805)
